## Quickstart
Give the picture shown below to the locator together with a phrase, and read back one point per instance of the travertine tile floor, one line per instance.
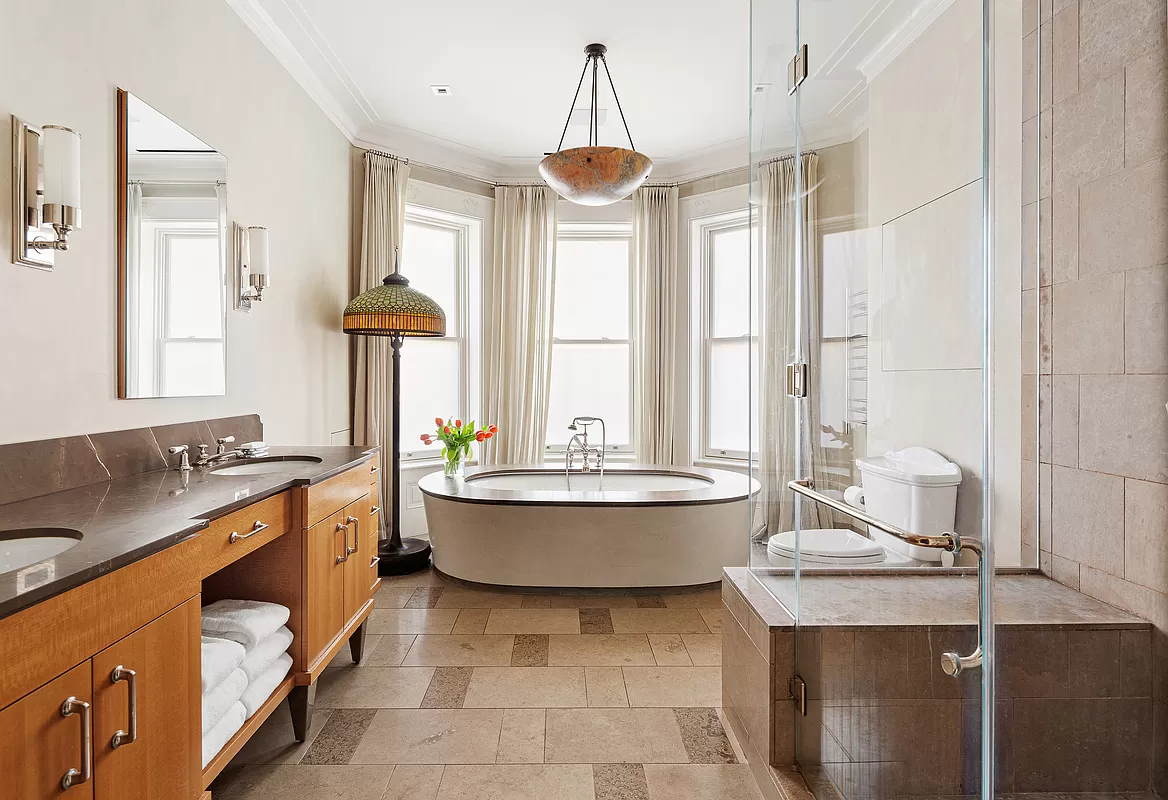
(469, 695)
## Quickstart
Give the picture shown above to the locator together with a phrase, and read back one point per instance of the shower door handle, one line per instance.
(952, 663)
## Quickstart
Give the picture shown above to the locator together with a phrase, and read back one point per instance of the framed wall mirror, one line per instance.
(172, 258)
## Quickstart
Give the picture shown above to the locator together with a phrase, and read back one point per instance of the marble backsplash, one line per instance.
(32, 469)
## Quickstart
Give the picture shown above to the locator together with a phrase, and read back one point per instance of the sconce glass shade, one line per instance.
(62, 166)
(257, 245)
(394, 309)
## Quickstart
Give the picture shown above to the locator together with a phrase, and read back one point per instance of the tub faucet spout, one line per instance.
(578, 444)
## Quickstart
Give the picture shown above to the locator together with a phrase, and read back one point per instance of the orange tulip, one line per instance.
(446, 429)
(488, 435)
(493, 429)
(437, 420)
(424, 437)
(458, 423)
(480, 436)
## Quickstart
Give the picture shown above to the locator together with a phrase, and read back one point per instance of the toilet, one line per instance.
(838, 546)
(914, 489)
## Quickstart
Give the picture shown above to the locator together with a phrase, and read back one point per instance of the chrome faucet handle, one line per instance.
(203, 450)
(221, 449)
(184, 463)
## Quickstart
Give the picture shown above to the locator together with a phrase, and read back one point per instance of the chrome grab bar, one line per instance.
(952, 663)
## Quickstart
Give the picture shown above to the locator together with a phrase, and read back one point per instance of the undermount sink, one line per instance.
(263, 466)
(23, 546)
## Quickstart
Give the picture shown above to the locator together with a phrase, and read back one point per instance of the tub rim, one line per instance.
(725, 487)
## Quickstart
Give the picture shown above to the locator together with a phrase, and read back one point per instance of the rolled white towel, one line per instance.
(219, 658)
(225, 728)
(248, 622)
(266, 653)
(263, 686)
(217, 702)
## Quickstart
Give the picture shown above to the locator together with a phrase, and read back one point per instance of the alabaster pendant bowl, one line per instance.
(595, 176)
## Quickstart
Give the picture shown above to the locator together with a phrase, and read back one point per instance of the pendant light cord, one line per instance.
(575, 97)
(624, 121)
(594, 113)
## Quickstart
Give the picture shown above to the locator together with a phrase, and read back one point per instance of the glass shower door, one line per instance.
(873, 213)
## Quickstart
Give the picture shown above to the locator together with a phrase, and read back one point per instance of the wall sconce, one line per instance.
(251, 264)
(46, 191)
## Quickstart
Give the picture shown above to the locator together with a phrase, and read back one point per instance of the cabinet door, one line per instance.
(154, 708)
(39, 745)
(324, 545)
(360, 555)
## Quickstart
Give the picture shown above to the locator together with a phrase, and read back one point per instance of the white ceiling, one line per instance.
(682, 69)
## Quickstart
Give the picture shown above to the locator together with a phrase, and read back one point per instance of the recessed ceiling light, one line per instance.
(440, 89)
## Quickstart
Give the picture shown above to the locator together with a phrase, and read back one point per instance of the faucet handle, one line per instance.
(178, 448)
(225, 440)
(203, 450)
(184, 462)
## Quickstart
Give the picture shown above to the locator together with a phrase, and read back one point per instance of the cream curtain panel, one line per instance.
(382, 228)
(655, 221)
(518, 310)
(783, 257)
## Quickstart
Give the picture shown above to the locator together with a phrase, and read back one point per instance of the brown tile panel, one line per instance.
(530, 650)
(192, 434)
(1097, 745)
(448, 687)
(32, 469)
(338, 739)
(620, 782)
(245, 428)
(702, 734)
(595, 620)
(128, 452)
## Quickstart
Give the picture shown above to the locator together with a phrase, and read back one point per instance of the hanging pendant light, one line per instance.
(595, 175)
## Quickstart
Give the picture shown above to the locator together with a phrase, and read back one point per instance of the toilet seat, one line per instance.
(827, 546)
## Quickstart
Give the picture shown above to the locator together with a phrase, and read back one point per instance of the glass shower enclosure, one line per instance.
(892, 153)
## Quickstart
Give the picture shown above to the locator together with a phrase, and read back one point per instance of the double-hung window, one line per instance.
(592, 350)
(727, 314)
(441, 256)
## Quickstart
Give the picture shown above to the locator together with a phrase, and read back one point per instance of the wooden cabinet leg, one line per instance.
(357, 642)
(300, 704)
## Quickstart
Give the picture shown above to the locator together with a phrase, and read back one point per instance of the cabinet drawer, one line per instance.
(245, 528)
(329, 497)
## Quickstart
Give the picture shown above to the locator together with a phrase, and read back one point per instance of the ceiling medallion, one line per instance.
(595, 175)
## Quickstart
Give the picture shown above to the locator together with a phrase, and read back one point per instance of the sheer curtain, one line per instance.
(382, 228)
(777, 440)
(519, 301)
(655, 223)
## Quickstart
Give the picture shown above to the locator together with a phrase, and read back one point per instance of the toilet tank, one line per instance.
(914, 489)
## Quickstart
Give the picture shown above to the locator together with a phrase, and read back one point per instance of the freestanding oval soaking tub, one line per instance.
(639, 526)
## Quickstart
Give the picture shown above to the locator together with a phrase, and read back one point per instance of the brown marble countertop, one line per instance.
(126, 519)
(885, 599)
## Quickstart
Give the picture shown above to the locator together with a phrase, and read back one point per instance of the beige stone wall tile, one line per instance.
(1113, 33)
(1123, 220)
(1146, 109)
(1145, 521)
(1145, 319)
(1064, 420)
(1064, 63)
(1123, 427)
(1087, 326)
(1088, 134)
(1088, 518)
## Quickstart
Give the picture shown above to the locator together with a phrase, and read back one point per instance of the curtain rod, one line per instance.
(141, 182)
(787, 157)
(387, 155)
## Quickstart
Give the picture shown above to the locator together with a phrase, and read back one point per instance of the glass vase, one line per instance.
(452, 467)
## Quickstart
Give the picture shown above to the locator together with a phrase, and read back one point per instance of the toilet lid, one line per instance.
(836, 544)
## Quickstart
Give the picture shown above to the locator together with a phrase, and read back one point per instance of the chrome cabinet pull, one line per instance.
(122, 737)
(373, 562)
(356, 536)
(374, 510)
(374, 468)
(343, 527)
(73, 777)
(236, 536)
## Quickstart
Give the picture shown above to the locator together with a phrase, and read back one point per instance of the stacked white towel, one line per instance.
(245, 644)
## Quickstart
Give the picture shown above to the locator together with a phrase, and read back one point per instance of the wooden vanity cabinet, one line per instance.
(38, 745)
(325, 547)
(157, 757)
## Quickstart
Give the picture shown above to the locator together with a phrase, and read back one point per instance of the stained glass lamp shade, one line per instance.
(395, 310)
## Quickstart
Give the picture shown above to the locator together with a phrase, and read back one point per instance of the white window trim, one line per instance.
(602, 231)
(702, 232)
(468, 232)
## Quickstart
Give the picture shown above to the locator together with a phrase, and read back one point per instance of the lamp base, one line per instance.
(412, 556)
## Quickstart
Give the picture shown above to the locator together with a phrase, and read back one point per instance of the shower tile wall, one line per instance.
(1101, 455)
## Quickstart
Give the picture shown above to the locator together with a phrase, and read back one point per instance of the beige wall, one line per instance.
(1103, 297)
(287, 169)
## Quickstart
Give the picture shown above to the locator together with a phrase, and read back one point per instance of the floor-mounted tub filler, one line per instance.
(632, 525)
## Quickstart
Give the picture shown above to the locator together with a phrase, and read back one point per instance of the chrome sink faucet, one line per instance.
(221, 452)
(578, 445)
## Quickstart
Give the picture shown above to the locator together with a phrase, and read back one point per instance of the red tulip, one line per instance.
(493, 429)
(446, 429)
(424, 437)
(488, 435)
(480, 436)
(458, 423)
(437, 420)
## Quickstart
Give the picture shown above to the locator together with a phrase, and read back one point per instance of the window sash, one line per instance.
(607, 231)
